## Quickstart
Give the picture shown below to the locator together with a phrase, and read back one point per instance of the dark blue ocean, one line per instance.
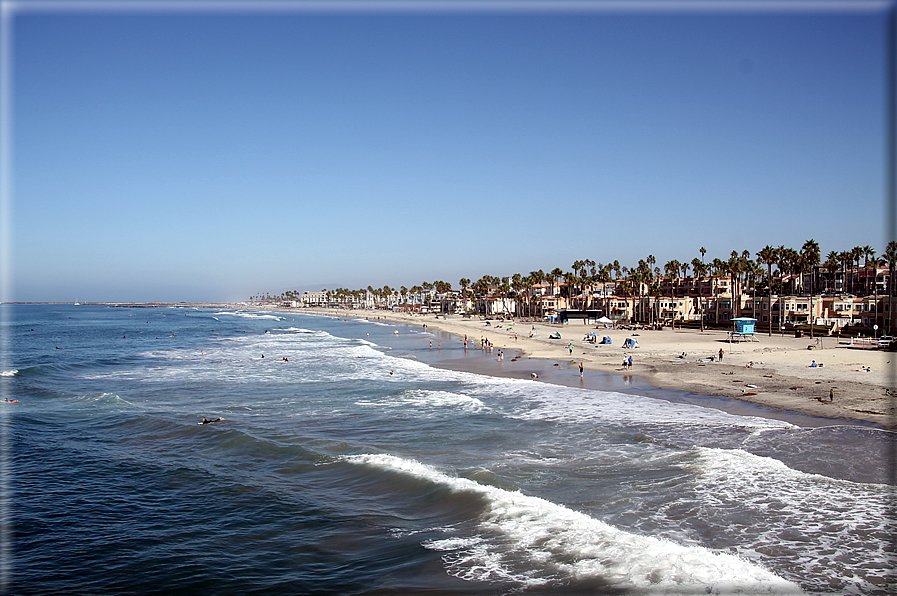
(362, 465)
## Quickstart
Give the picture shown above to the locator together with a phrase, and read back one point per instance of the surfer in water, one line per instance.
(207, 421)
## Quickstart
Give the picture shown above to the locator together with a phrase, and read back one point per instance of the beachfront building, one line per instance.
(886, 314)
(492, 306)
(318, 299)
(859, 280)
(454, 302)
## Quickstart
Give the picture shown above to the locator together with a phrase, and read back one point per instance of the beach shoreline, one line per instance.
(773, 372)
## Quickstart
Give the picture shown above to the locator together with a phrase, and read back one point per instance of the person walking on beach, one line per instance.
(831, 394)
(580, 370)
(720, 354)
(629, 362)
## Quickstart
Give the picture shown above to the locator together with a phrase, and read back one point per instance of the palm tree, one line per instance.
(604, 278)
(869, 255)
(625, 288)
(635, 280)
(769, 256)
(555, 274)
(589, 272)
(516, 285)
(464, 283)
(846, 258)
(734, 266)
(671, 270)
(809, 260)
(831, 265)
(536, 278)
(648, 279)
(856, 254)
(890, 256)
(717, 267)
(570, 280)
(700, 270)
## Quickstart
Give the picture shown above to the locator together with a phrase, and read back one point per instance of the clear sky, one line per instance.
(219, 151)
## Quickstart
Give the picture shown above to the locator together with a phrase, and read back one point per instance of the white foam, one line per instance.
(533, 541)
(102, 400)
(574, 405)
(832, 526)
(9, 373)
(426, 399)
(249, 315)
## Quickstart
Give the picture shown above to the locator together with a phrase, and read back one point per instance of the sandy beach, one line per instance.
(772, 371)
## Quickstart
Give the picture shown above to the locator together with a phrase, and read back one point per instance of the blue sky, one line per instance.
(212, 154)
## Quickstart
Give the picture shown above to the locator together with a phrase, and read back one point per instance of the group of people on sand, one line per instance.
(627, 362)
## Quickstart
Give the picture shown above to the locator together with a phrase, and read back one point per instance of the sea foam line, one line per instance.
(559, 543)
(9, 373)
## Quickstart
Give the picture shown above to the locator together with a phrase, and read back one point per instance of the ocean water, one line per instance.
(358, 466)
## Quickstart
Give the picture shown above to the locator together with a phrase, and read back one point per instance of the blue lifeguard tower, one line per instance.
(744, 329)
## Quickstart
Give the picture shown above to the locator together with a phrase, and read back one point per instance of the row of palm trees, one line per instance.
(647, 279)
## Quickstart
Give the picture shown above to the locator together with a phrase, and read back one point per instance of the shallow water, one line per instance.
(359, 467)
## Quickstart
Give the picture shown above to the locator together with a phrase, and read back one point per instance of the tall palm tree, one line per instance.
(624, 287)
(856, 253)
(890, 256)
(556, 274)
(809, 261)
(846, 258)
(869, 255)
(604, 278)
(570, 281)
(648, 279)
(465, 284)
(831, 265)
(671, 270)
(537, 278)
(768, 256)
(700, 270)
(590, 271)
(717, 267)
(735, 266)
